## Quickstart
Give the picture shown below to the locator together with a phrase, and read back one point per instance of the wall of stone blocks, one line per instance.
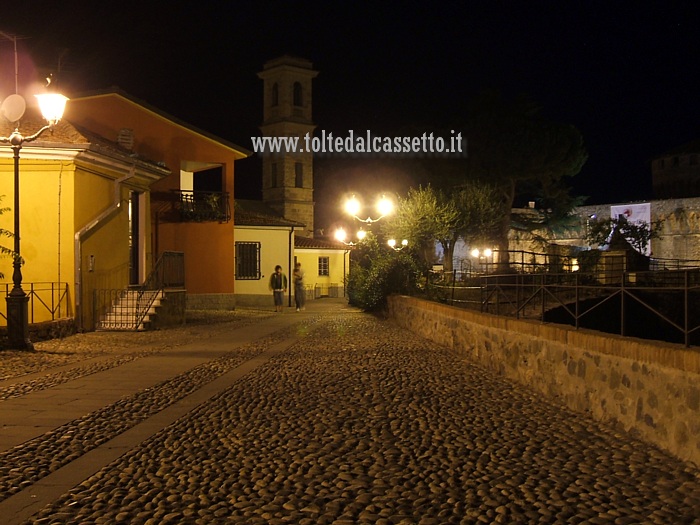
(650, 389)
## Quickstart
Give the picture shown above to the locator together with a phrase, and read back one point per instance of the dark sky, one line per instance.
(626, 75)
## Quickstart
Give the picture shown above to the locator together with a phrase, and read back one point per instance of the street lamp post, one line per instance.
(13, 107)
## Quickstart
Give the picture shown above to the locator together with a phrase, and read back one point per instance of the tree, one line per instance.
(423, 217)
(606, 232)
(428, 215)
(5, 233)
(376, 272)
(523, 154)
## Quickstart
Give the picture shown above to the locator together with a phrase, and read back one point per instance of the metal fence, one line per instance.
(48, 301)
(656, 304)
(328, 290)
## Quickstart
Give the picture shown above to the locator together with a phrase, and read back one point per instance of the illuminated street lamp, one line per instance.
(393, 246)
(341, 236)
(13, 107)
(384, 207)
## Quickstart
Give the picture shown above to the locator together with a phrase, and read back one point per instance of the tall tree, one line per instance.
(511, 146)
(428, 215)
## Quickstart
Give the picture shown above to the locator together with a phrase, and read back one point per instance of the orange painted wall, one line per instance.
(208, 247)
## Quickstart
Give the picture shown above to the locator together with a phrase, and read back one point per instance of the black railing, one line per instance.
(191, 206)
(658, 305)
(48, 301)
(133, 304)
(169, 272)
(203, 206)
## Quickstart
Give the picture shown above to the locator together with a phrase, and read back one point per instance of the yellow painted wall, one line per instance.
(274, 250)
(338, 266)
(46, 227)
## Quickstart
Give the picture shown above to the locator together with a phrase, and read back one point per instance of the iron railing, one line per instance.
(587, 289)
(202, 206)
(48, 301)
(168, 272)
(652, 304)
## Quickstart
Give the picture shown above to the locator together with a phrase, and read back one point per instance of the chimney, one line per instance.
(125, 138)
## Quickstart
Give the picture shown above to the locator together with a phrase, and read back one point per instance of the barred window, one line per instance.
(323, 266)
(248, 260)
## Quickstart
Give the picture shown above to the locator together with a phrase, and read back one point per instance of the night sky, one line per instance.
(624, 75)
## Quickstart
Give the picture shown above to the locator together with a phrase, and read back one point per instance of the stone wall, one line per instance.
(650, 389)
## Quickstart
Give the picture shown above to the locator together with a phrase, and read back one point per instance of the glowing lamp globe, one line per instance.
(52, 106)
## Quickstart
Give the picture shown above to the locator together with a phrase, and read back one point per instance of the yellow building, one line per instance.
(265, 239)
(81, 196)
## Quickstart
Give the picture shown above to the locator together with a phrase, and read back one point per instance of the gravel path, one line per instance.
(362, 423)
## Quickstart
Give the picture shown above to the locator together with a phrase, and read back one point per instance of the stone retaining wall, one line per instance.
(650, 389)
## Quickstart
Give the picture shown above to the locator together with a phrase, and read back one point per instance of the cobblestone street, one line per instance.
(323, 417)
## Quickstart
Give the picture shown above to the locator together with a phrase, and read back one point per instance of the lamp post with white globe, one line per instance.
(13, 107)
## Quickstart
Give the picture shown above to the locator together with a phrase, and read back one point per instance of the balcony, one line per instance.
(192, 206)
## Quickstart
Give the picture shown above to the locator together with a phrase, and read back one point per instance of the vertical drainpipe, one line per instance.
(289, 270)
(86, 231)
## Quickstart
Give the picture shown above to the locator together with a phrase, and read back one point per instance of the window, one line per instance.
(298, 174)
(298, 101)
(693, 160)
(247, 260)
(275, 94)
(273, 170)
(323, 264)
(675, 161)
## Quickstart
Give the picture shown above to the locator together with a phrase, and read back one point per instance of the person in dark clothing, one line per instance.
(278, 285)
(298, 278)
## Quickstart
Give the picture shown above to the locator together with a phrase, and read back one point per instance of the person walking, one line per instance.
(299, 292)
(278, 285)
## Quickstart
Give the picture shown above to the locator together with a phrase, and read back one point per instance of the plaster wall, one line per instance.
(650, 389)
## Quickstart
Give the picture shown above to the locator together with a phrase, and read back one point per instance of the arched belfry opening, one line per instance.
(287, 181)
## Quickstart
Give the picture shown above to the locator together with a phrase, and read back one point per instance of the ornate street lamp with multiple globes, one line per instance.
(52, 106)
(395, 246)
(384, 207)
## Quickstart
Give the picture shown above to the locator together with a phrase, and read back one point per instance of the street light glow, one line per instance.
(52, 106)
(340, 235)
(353, 206)
(392, 244)
(385, 206)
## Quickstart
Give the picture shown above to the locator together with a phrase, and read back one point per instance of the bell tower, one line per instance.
(287, 181)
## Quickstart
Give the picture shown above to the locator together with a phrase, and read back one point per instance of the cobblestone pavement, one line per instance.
(358, 422)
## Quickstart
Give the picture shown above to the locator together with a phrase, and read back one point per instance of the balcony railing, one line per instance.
(192, 206)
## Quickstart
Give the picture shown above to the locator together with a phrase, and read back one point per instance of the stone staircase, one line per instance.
(125, 311)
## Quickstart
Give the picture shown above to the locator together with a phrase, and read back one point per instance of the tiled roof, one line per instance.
(256, 213)
(66, 134)
(306, 242)
(114, 90)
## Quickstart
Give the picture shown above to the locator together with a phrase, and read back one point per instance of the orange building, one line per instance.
(191, 210)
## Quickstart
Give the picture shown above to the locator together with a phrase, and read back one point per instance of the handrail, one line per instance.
(668, 296)
(168, 272)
